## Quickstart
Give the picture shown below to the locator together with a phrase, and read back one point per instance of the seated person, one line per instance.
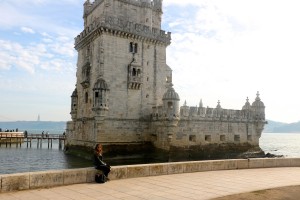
(98, 161)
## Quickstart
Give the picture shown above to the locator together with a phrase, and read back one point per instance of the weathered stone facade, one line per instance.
(124, 92)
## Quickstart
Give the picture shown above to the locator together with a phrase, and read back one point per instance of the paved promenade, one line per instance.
(198, 185)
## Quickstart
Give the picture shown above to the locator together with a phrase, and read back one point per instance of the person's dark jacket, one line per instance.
(98, 160)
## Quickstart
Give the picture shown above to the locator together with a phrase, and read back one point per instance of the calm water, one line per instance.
(23, 159)
(286, 144)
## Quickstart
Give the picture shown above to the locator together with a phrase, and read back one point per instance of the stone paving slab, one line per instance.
(187, 186)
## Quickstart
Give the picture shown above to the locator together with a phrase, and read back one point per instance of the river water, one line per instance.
(22, 159)
(285, 144)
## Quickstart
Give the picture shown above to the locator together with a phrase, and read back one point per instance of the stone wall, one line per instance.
(110, 131)
(189, 133)
(44, 179)
(186, 135)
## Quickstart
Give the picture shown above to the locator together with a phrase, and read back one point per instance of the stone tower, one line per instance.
(121, 71)
(124, 96)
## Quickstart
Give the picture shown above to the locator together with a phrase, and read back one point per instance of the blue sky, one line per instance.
(221, 50)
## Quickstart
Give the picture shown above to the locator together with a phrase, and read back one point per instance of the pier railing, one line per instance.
(9, 138)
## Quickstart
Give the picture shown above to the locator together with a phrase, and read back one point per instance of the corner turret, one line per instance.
(74, 102)
(171, 104)
(100, 98)
(258, 108)
(247, 105)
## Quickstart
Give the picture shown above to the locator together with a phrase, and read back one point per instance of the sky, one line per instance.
(221, 51)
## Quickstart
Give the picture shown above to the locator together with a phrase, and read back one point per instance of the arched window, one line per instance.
(133, 72)
(86, 99)
(170, 105)
(133, 47)
(138, 72)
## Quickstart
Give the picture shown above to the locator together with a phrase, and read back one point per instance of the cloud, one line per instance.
(27, 30)
(57, 65)
(64, 46)
(221, 50)
(52, 19)
(225, 52)
(55, 54)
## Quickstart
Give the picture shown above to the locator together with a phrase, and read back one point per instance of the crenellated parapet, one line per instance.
(207, 113)
(123, 28)
(249, 113)
(155, 5)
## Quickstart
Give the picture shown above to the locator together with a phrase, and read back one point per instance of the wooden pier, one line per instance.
(18, 138)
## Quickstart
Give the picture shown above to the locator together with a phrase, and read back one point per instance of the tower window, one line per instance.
(192, 138)
(133, 72)
(207, 138)
(222, 138)
(237, 138)
(133, 47)
(249, 137)
(169, 79)
(86, 97)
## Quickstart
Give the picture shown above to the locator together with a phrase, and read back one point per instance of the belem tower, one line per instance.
(124, 94)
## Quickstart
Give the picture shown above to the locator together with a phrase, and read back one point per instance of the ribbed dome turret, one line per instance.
(258, 103)
(100, 85)
(171, 94)
(74, 94)
(247, 105)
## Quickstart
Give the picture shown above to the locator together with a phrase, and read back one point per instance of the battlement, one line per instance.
(217, 113)
(207, 113)
(195, 113)
(155, 5)
(109, 23)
